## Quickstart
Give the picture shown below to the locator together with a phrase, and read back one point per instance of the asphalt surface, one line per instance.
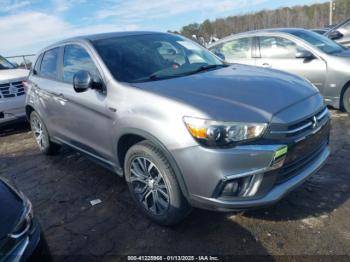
(312, 220)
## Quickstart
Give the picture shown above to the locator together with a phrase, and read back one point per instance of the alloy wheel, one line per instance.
(149, 186)
(38, 131)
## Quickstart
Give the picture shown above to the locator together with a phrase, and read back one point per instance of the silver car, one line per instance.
(182, 127)
(340, 33)
(302, 52)
(12, 92)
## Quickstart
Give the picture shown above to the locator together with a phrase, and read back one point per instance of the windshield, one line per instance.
(4, 64)
(150, 57)
(319, 41)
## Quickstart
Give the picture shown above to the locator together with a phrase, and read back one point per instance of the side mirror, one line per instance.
(335, 35)
(83, 80)
(304, 54)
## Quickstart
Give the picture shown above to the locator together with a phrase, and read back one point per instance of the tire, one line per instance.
(157, 183)
(346, 100)
(41, 135)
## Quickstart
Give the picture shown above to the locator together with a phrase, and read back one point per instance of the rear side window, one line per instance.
(76, 59)
(49, 63)
(233, 49)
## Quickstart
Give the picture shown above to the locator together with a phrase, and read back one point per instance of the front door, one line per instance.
(280, 53)
(85, 115)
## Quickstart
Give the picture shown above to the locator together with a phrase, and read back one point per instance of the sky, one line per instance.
(26, 26)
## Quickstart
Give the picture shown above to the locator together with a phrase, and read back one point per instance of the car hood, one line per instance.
(9, 74)
(236, 93)
(11, 206)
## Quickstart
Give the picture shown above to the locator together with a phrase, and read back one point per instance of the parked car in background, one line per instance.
(302, 52)
(340, 33)
(183, 128)
(21, 239)
(320, 31)
(12, 92)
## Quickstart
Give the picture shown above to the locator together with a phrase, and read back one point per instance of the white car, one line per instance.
(12, 92)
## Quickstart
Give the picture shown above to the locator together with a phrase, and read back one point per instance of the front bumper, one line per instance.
(271, 197)
(204, 170)
(12, 109)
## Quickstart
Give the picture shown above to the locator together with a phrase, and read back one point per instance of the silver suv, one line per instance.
(182, 127)
(298, 51)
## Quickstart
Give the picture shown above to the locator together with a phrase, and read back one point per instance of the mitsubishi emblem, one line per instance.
(314, 122)
(12, 89)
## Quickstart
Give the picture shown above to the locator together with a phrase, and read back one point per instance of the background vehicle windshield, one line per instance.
(140, 58)
(4, 64)
(319, 41)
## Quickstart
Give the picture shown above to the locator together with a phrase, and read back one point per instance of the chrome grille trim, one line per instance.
(322, 114)
(5, 91)
(319, 116)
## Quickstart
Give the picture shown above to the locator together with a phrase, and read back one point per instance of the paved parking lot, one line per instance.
(312, 220)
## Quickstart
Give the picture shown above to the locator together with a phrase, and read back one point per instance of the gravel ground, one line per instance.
(312, 220)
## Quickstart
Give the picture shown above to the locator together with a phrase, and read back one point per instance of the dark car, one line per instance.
(20, 234)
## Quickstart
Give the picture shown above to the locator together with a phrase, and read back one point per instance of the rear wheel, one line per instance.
(346, 100)
(153, 185)
(41, 135)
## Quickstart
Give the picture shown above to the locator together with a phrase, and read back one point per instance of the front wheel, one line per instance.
(41, 135)
(153, 185)
(346, 100)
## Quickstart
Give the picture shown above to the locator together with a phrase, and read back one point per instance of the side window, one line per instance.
(76, 59)
(277, 48)
(36, 69)
(49, 63)
(237, 48)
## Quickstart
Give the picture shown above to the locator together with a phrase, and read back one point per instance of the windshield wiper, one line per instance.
(206, 67)
(156, 76)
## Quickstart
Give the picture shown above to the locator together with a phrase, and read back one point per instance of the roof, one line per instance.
(276, 30)
(95, 37)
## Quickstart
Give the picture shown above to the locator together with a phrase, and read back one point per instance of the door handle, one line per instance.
(267, 65)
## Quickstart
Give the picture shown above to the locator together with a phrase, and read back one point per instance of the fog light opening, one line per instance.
(243, 186)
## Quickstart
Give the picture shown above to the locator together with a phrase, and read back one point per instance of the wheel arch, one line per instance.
(132, 136)
(345, 87)
(29, 109)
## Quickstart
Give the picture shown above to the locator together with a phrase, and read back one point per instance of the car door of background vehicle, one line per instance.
(235, 51)
(279, 53)
(85, 115)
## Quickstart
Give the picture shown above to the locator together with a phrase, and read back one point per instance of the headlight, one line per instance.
(214, 133)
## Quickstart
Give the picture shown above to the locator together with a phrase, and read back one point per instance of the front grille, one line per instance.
(300, 128)
(12, 89)
(301, 154)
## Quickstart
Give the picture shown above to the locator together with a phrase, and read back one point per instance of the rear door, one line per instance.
(85, 116)
(45, 83)
(236, 50)
(280, 53)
